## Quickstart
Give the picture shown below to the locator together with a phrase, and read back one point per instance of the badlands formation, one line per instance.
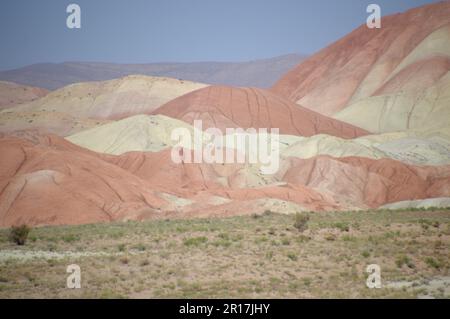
(364, 123)
(82, 106)
(114, 99)
(408, 54)
(228, 107)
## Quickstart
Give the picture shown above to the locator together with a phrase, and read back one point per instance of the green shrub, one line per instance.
(348, 238)
(292, 256)
(222, 243)
(301, 222)
(140, 247)
(19, 234)
(195, 241)
(430, 261)
(342, 226)
(268, 212)
(302, 238)
(307, 281)
(426, 223)
(70, 238)
(224, 236)
(404, 260)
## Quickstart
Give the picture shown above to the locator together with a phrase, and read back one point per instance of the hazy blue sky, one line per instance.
(137, 31)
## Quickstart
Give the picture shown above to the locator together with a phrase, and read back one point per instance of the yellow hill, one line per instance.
(112, 99)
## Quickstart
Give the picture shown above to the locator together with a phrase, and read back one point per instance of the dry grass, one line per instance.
(242, 257)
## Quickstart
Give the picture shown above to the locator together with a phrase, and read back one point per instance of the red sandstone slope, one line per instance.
(42, 185)
(357, 65)
(207, 180)
(227, 107)
(45, 180)
(352, 181)
(359, 180)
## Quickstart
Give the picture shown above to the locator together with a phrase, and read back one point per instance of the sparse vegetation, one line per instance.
(19, 234)
(344, 227)
(292, 256)
(195, 241)
(432, 262)
(301, 221)
(238, 257)
(70, 238)
(404, 260)
(330, 237)
(140, 247)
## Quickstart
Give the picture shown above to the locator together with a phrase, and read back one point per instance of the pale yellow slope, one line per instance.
(413, 106)
(46, 122)
(412, 110)
(153, 133)
(408, 147)
(437, 44)
(112, 99)
(148, 133)
(422, 203)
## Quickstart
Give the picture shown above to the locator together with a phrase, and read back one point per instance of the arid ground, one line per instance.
(258, 256)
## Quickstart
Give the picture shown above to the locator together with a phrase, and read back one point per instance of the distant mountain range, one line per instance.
(258, 73)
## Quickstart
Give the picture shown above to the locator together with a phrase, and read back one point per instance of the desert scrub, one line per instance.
(301, 221)
(343, 227)
(425, 223)
(348, 238)
(125, 260)
(140, 247)
(430, 261)
(70, 238)
(404, 260)
(292, 256)
(195, 241)
(330, 237)
(268, 213)
(19, 234)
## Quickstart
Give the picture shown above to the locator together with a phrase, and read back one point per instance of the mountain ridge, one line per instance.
(259, 73)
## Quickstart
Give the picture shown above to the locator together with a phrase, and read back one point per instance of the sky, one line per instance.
(144, 31)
